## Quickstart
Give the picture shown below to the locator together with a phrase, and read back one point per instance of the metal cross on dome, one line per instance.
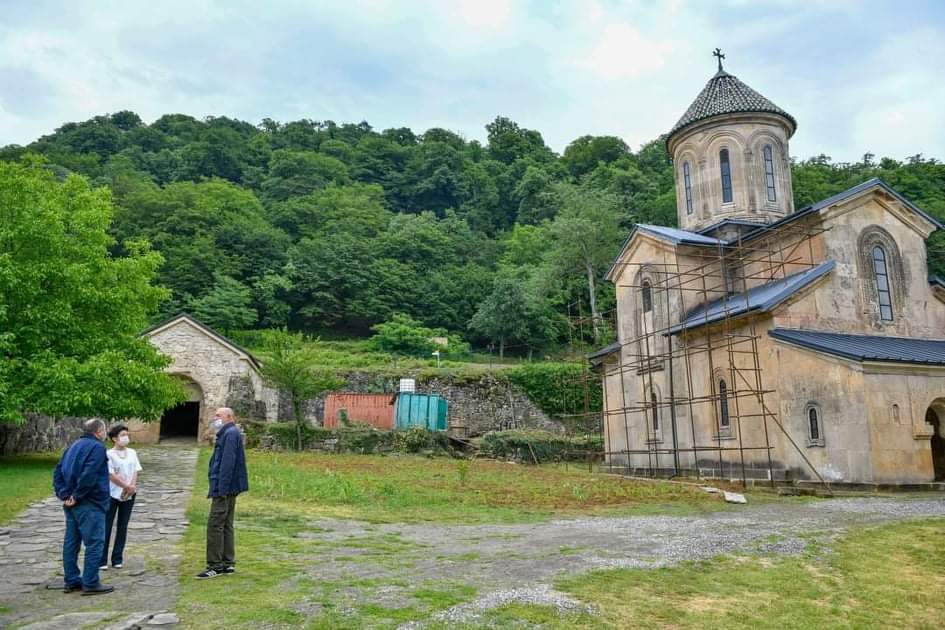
(718, 53)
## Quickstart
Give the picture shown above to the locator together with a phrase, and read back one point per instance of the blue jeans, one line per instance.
(123, 510)
(85, 524)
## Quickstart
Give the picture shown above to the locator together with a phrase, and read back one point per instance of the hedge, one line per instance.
(529, 446)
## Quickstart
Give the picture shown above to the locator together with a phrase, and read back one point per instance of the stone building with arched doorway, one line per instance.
(215, 371)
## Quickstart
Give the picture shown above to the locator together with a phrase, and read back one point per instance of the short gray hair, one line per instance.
(93, 426)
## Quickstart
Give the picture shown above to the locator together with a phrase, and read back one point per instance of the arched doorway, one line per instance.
(933, 417)
(183, 421)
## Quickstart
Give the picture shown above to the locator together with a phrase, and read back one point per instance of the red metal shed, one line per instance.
(374, 409)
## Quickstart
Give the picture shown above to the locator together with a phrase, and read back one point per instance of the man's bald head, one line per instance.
(225, 414)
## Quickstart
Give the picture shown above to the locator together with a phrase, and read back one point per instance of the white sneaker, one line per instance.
(104, 567)
(117, 566)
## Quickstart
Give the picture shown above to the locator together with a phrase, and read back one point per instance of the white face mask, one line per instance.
(123, 440)
(216, 424)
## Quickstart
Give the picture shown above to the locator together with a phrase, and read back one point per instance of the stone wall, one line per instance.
(476, 406)
(39, 434)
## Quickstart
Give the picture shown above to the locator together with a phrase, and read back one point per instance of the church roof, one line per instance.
(759, 299)
(677, 236)
(725, 94)
(866, 347)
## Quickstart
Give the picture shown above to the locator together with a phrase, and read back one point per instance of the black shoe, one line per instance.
(208, 573)
(62, 586)
(98, 589)
(228, 570)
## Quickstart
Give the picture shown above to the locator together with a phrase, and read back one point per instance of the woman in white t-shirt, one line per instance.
(123, 469)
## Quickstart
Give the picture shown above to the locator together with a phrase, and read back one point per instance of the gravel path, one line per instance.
(519, 563)
(31, 555)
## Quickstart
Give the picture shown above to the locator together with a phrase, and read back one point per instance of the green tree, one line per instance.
(289, 367)
(405, 336)
(227, 306)
(71, 313)
(586, 235)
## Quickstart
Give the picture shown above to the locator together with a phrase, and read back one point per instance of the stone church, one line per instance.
(759, 340)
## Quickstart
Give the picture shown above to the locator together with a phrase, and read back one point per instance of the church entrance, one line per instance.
(183, 421)
(937, 443)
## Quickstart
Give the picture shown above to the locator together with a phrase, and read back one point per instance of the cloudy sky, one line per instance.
(858, 76)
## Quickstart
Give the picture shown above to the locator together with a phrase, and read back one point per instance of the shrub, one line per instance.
(528, 446)
(403, 335)
(558, 388)
(357, 438)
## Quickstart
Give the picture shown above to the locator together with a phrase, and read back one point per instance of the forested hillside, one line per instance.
(332, 228)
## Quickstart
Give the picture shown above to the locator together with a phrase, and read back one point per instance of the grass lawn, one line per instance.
(277, 584)
(292, 575)
(23, 480)
(889, 576)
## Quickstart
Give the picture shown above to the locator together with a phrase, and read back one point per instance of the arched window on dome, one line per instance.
(881, 275)
(769, 173)
(726, 172)
(687, 183)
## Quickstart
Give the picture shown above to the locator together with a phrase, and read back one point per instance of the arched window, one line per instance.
(895, 413)
(646, 294)
(881, 276)
(687, 182)
(815, 427)
(724, 421)
(769, 173)
(726, 171)
(655, 411)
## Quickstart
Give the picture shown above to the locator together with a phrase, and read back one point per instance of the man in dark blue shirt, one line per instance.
(81, 483)
(228, 478)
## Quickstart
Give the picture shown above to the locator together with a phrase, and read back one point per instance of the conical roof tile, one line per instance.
(725, 94)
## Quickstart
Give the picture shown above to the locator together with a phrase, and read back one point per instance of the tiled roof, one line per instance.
(725, 94)
(758, 299)
(866, 347)
(600, 353)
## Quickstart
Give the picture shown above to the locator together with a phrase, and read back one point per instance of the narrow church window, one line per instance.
(769, 173)
(647, 296)
(724, 422)
(813, 423)
(655, 412)
(882, 284)
(726, 176)
(687, 182)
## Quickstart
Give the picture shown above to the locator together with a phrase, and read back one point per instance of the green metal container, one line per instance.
(422, 410)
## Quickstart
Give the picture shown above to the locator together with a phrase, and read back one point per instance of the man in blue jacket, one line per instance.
(81, 483)
(228, 478)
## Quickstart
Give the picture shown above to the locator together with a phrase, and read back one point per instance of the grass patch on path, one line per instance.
(889, 576)
(24, 479)
(411, 489)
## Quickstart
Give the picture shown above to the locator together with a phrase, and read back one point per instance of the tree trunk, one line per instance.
(297, 411)
(502, 347)
(531, 352)
(592, 298)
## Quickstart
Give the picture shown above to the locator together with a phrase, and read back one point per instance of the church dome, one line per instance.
(725, 94)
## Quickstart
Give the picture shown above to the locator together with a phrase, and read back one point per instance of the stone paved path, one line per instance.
(31, 555)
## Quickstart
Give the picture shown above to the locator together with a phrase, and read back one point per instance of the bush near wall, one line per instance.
(527, 446)
(558, 388)
(357, 438)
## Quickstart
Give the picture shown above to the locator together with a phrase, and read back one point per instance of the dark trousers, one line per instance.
(85, 525)
(221, 545)
(123, 510)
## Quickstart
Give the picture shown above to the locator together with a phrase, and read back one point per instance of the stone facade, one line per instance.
(215, 372)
